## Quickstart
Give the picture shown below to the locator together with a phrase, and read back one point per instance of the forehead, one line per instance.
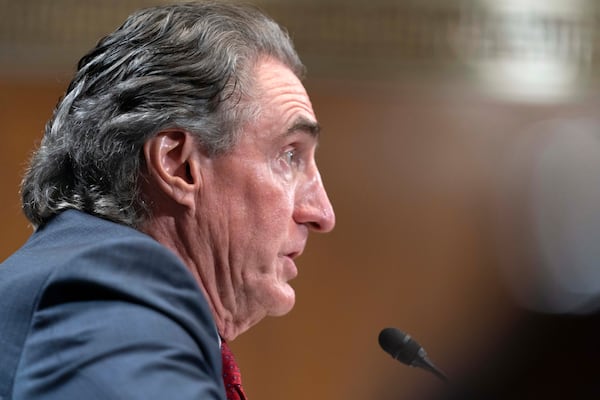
(281, 95)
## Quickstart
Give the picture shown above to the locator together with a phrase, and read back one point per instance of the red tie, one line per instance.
(232, 378)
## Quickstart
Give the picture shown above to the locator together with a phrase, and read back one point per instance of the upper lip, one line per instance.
(294, 254)
(296, 251)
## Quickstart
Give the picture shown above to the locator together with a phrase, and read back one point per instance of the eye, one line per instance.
(289, 156)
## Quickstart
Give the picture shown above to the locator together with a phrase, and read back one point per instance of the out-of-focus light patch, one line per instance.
(566, 215)
(562, 170)
(564, 7)
(541, 81)
(534, 50)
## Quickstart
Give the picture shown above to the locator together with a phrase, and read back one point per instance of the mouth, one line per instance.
(293, 255)
(290, 270)
(296, 251)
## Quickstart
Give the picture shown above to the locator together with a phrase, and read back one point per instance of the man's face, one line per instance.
(262, 198)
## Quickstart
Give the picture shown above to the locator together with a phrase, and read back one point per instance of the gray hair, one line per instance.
(186, 66)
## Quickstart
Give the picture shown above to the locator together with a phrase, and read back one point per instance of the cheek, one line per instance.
(268, 219)
(263, 224)
(258, 207)
(269, 203)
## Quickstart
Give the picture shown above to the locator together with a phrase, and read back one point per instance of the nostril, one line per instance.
(324, 224)
(315, 226)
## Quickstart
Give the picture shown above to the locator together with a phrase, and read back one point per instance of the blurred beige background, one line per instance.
(460, 153)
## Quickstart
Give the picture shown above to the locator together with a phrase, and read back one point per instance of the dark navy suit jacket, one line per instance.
(90, 309)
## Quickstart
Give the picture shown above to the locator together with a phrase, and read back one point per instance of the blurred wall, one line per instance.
(24, 108)
(432, 205)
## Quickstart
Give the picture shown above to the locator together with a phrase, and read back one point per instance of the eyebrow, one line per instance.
(303, 124)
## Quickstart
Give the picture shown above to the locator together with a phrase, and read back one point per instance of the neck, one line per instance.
(200, 258)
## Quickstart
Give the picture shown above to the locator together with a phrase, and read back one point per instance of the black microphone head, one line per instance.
(406, 350)
(399, 345)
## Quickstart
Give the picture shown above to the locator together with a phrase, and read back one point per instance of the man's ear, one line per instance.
(173, 166)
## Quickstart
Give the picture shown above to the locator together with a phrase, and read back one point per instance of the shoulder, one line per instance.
(113, 305)
(98, 260)
(115, 349)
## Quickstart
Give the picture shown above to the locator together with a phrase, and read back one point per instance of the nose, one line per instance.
(313, 207)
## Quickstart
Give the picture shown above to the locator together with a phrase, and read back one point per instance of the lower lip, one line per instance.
(289, 268)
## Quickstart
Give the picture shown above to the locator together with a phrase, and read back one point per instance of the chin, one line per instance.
(283, 303)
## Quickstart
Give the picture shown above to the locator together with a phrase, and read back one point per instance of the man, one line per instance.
(171, 194)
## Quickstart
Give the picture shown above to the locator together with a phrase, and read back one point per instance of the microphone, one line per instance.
(406, 350)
